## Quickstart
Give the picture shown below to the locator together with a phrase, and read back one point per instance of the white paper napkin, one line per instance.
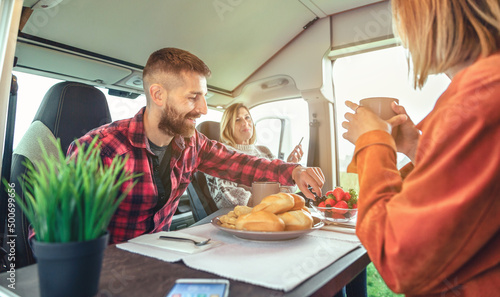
(188, 247)
(279, 265)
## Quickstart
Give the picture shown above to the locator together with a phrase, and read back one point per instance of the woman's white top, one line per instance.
(229, 194)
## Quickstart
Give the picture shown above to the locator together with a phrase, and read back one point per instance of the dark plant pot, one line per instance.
(70, 269)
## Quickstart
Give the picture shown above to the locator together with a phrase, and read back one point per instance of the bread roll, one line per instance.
(296, 220)
(240, 210)
(299, 202)
(225, 219)
(230, 226)
(275, 203)
(260, 221)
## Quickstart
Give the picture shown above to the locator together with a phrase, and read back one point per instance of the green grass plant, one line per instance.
(73, 198)
(375, 285)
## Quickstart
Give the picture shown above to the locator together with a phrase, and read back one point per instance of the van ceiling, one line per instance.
(234, 37)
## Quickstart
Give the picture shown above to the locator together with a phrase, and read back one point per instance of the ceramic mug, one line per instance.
(260, 190)
(381, 106)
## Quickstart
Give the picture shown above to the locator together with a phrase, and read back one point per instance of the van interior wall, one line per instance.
(10, 12)
(303, 59)
(354, 28)
(303, 63)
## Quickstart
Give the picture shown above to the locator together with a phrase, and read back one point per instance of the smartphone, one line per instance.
(193, 287)
(301, 140)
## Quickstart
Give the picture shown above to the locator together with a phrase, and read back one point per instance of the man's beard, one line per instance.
(173, 123)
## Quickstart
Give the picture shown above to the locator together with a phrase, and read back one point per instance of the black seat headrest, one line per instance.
(71, 109)
(210, 129)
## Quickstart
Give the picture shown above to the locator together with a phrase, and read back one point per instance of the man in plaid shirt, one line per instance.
(162, 143)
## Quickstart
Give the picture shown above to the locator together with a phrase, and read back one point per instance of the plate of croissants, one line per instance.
(277, 217)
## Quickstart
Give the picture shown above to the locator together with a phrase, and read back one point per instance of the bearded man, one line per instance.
(161, 142)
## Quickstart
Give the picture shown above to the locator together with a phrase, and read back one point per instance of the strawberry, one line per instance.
(342, 205)
(328, 193)
(329, 202)
(338, 193)
(346, 197)
(321, 204)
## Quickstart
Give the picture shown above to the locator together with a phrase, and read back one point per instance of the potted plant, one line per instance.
(69, 202)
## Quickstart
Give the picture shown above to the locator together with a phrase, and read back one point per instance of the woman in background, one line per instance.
(432, 229)
(238, 133)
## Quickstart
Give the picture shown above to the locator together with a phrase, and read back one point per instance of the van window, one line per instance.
(375, 74)
(32, 89)
(280, 125)
(270, 133)
(123, 108)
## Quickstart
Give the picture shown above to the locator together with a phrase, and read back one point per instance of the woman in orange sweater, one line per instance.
(432, 229)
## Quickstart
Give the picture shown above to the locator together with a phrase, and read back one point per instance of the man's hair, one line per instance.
(171, 61)
(227, 125)
(441, 34)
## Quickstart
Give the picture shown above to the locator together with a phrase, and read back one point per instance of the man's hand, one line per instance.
(309, 176)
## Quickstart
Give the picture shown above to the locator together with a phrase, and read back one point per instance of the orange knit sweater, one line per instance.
(435, 232)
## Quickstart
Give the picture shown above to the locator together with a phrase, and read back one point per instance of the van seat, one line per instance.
(68, 111)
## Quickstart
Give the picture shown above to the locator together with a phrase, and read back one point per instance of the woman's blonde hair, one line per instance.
(227, 125)
(441, 34)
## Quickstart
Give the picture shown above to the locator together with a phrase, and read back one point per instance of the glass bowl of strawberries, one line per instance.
(337, 206)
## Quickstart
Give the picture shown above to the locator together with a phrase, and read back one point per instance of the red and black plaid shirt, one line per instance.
(135, 215)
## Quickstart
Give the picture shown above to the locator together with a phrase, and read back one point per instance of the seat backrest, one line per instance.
(210, 129)
(68, 111)
(202, 203)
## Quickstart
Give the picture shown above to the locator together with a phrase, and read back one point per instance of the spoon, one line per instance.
(197, 243)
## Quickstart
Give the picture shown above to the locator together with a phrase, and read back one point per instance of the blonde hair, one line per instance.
(227, 125)
(441, 34)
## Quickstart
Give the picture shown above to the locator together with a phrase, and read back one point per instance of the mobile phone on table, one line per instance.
(209, 287)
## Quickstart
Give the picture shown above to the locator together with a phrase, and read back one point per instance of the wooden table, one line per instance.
(127, 274)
